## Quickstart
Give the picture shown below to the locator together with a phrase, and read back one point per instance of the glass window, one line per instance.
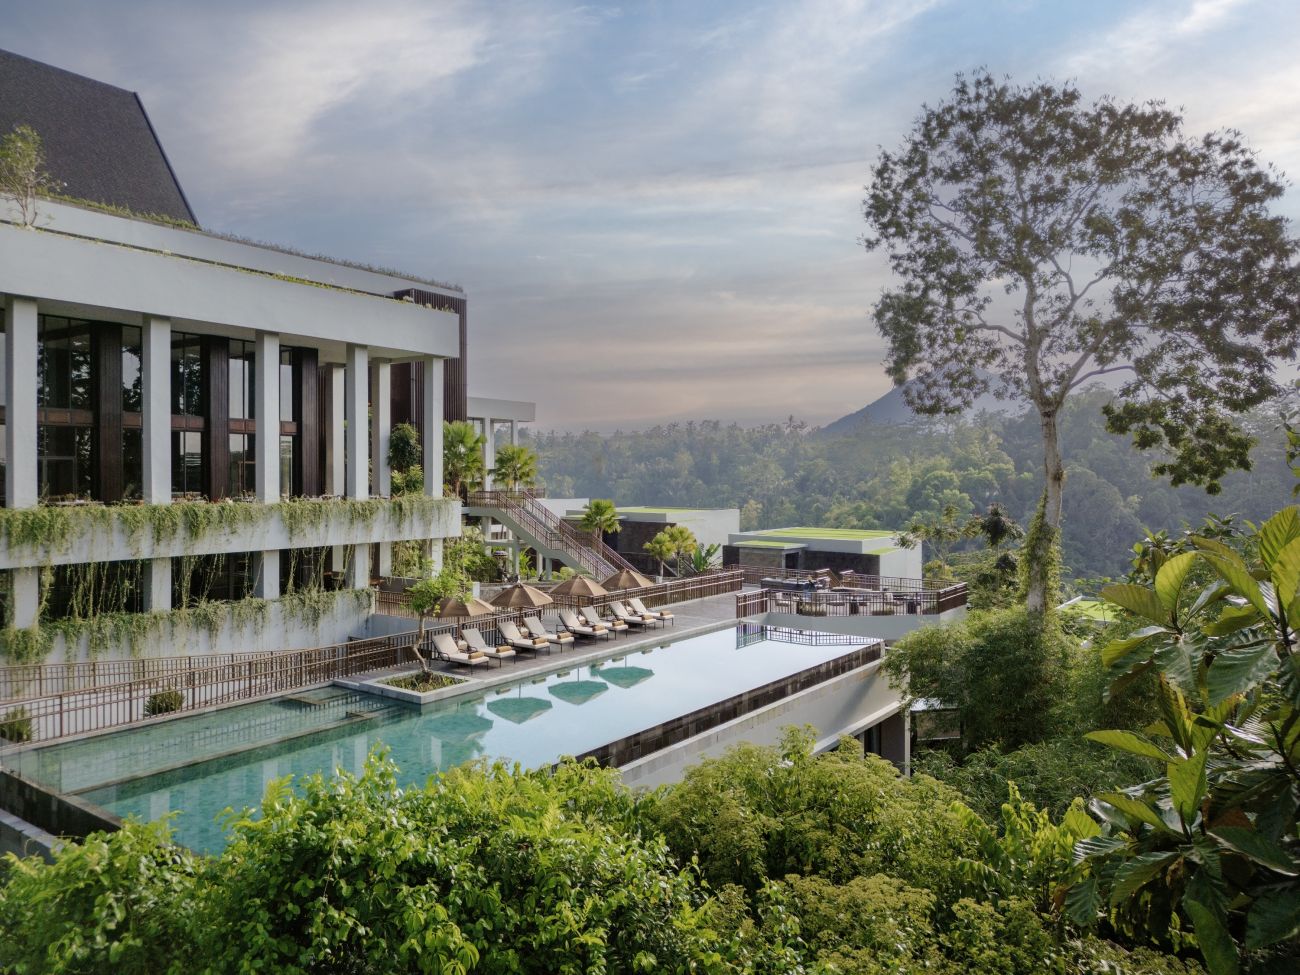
(286, 465)
(132, 372)
(242, 361)
(187, 463)
(286, 385)
(63, 363)
(243, 471)
(63, 461)
(187, 375)
(132, 462)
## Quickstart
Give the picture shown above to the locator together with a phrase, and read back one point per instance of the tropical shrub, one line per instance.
(1207, 854)
(16, 725)
(163, 702)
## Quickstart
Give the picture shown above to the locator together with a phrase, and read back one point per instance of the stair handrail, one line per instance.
(610, 556)
(543, 524)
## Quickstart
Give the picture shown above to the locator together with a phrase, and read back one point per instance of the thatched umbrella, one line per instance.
(579, 586)
(521, 596)
(626, 579)
(473, 606)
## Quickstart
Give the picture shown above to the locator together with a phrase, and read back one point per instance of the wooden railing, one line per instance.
(21, 681)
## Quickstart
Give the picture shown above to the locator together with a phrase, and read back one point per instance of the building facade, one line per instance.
(194, 422)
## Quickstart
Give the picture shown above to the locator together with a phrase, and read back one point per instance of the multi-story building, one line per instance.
(196, 427)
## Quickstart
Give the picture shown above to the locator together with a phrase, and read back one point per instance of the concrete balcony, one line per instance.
(58, 535)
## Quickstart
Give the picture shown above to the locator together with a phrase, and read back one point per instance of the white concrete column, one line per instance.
(357, 481)
(381, 426)
(156, 479)
(335, 457)
(514, 433)
(157, 585)
(22, 489)
(156, 409)
(356, 405)
(266, 408)
(432, 440)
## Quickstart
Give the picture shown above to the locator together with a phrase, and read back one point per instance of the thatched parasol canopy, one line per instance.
(464, 607)
(626, 579)
(521, 596)
(579, 586)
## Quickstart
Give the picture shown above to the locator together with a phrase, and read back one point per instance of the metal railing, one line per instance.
(551, 530)
(852, 602)
(19, 681)
(663, 593)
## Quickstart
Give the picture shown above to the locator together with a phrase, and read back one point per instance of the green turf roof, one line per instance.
(883, 551)
(759, 543)
(830, 534)
(647, 510)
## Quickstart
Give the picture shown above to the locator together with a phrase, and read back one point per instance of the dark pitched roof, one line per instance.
(98, 140)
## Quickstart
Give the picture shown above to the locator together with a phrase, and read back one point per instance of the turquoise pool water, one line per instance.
(199, 766)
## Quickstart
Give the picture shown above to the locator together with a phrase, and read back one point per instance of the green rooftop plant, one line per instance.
(23, 177)
(16, 725)
(164, 702)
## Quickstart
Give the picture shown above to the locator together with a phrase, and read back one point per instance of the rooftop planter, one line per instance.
(67, 534)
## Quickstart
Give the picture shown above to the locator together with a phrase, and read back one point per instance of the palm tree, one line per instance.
(599, 517)
(515, 465)
(683, 541)
(462, 456)
(661, 549)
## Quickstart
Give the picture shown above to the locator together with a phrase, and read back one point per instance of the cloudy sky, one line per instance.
(653, 206)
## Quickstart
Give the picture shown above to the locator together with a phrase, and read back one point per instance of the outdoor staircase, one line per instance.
(541, 529)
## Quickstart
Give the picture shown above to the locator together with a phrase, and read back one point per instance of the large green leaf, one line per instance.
(1083, 902)
(1138, 600)
(1132, 875)
(1235, 574)
(1116, 650)
(1128, 741)
(1274, 917)
(1258, 847)
(1187, 784)
(1284, 570)
(1277, 533)
(1212, 935)
(1237, 671)
(1134, 810)
(1098, 846)
(1232, 619)
(1170, 579)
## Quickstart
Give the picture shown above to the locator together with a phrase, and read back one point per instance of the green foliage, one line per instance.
(1041, 559)
(16, 725)
(515, 466)
(164, 702)
(1209, 853)
(600, 517)
(760, 813)
(706, 557)
(462, 457)
(1003, 671)
(674, 542)
(22, 171)
(424, 682)
(118, 902)
(403, 448)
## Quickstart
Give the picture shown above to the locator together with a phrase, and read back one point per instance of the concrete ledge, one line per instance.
(22, 839)
(50, 811)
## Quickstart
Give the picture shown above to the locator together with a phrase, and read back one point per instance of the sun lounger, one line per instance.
(538, 629)
(594, 617)
(632, 619)
(662, 614)
(528, 644)
(446, 649)
(474, 639)
(575, 626)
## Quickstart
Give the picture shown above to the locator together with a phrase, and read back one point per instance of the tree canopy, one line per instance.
(1040, 242)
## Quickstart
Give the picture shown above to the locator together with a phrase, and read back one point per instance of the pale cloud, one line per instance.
(1151, 35)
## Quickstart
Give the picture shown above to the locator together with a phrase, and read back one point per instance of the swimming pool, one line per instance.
(198, 766)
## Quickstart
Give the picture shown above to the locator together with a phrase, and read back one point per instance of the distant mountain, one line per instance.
(892, 410)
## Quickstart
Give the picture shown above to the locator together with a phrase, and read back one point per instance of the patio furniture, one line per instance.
(445, 647)
(575, 626)
(527, 644)
(474, 639)
(661, 614)
(632, 619)
(538, 629)
(594, 617)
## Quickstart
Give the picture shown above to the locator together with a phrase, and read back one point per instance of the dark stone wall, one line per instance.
(839, 561)
(55, 813)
